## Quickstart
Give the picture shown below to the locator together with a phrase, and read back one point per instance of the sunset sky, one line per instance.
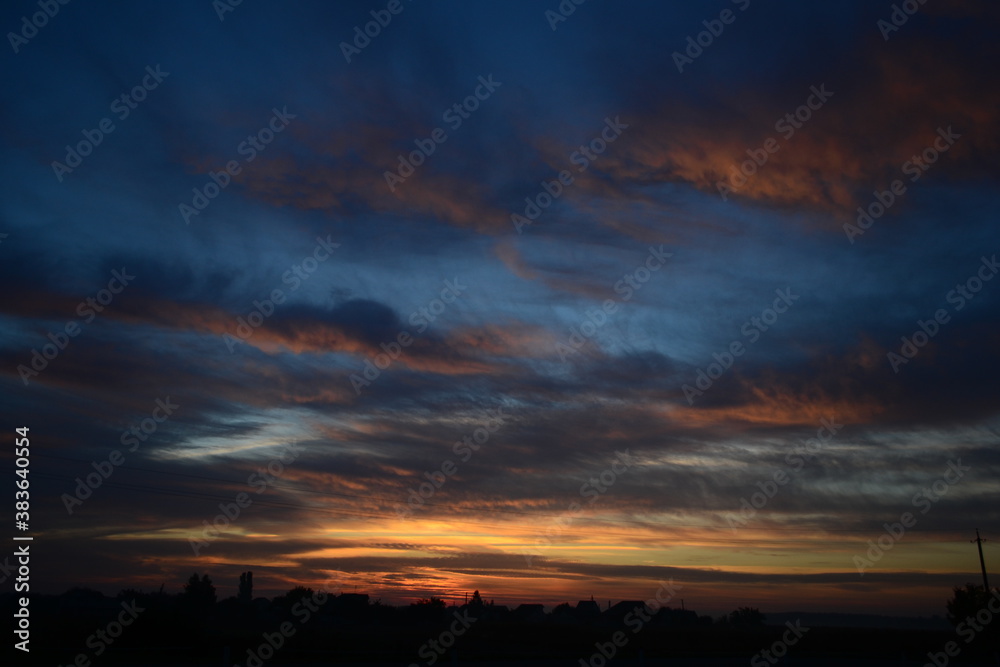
(506, 253)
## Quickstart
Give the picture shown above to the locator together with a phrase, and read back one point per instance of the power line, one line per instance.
(982, 563)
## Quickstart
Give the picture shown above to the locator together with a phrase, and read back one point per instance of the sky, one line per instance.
(546, 300)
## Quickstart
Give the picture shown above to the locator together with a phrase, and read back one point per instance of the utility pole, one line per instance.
(982, 563)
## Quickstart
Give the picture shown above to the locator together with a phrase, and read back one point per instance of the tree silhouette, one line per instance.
(297, 594)
(199, 594)
(966, 602)
(746, 617)
(246, 587)
(430, 603)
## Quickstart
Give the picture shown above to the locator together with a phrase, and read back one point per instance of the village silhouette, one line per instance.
(303, 626)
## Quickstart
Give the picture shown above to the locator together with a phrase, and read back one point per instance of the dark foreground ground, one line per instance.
(90, 630)
(527, 646)
(623, 662)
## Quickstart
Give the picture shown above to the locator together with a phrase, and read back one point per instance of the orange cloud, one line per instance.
(777, 407)
(856, 142)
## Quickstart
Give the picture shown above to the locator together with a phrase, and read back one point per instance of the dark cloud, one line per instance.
(179, 330)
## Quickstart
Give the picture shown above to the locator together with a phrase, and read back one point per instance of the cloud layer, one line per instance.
(383, 328)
